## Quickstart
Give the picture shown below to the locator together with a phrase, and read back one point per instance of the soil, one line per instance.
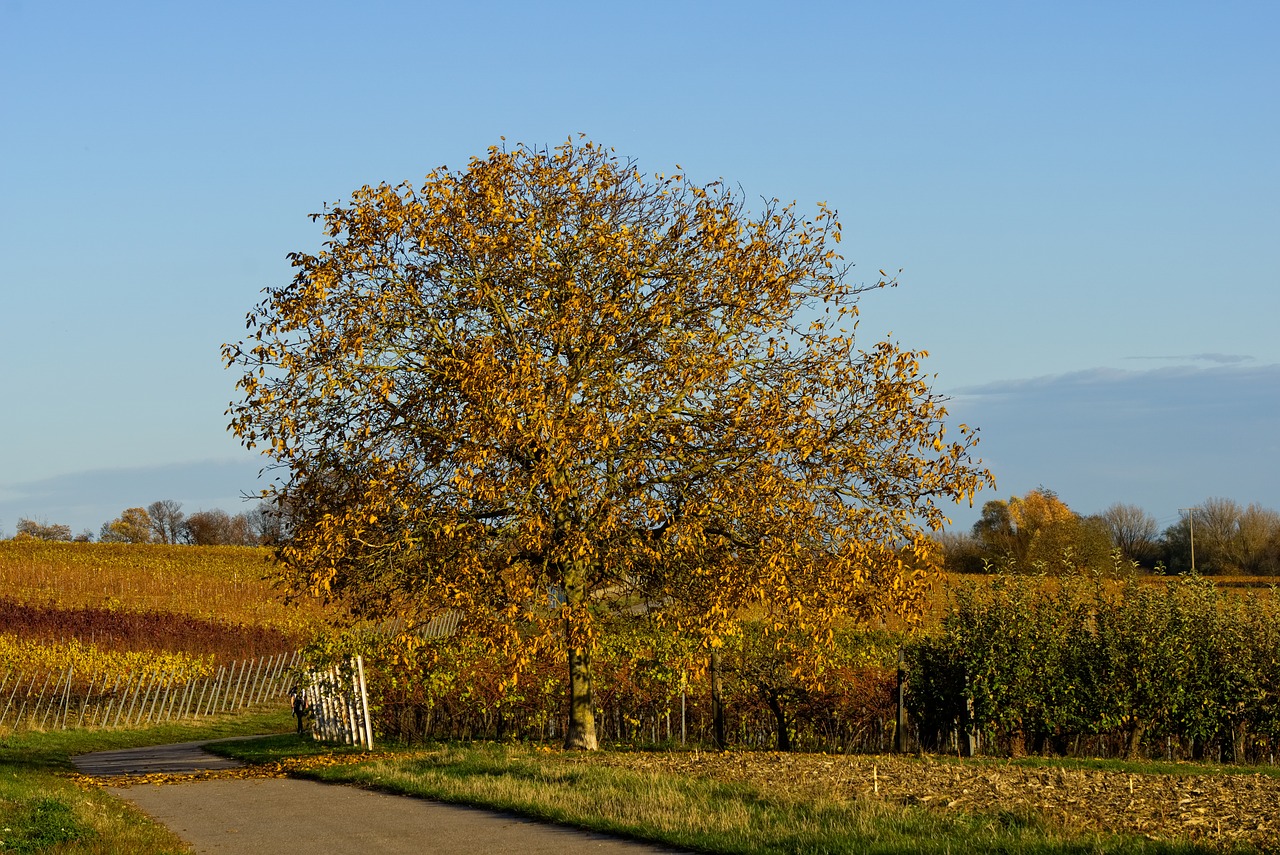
(1211, 808)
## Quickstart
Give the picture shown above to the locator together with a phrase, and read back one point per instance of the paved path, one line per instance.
(263, 815)
(172, 759)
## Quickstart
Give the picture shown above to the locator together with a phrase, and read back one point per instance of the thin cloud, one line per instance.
(1216, 358)
(85, 500)
(1164, 438)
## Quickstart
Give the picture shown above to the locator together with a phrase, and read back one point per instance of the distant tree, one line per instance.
(1039, 532)
(994, 530)
(961, 552)
(1226, 539)
(1256, 548)
(1175, 546)
(268, 523)
(1134, 532)
(1217, 522)
(166, 521)
(132, 526)
(218, 528)
(33, 530)
(85, 536)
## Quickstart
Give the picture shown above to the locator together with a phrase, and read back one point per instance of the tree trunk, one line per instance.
(581, 733)
(717, 700)
(1135, 740)
(780, 718)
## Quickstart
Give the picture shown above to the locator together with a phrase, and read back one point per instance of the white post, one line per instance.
(364, 703)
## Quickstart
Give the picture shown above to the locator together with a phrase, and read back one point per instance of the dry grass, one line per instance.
(1221, 808)
(739, 802)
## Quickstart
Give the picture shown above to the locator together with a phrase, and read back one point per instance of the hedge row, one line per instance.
(1078, 665)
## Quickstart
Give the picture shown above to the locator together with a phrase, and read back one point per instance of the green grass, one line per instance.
(692, 812)
(44, 809)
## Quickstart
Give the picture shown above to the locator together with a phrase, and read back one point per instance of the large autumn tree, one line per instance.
(547, 386)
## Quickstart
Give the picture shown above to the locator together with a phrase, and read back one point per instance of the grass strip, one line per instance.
(44, 809)
(689, 811)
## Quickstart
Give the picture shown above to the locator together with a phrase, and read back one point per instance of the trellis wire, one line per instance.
(133, 700)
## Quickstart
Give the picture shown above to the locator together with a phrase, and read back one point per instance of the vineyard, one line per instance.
(134, 691)
(220, 583)
(1142, 667)
(106, 635)
(1172, 669)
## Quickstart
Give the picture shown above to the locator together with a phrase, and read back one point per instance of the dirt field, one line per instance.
(1210, 808)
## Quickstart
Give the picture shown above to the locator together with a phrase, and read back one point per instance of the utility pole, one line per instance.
(1191, 524)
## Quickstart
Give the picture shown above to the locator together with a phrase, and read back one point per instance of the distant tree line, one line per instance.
(1033, 533)
(165, 522)
(1038, 533)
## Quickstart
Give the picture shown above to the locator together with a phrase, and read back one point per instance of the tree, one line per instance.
(544, 387)
(1039, 531)
(995, 531)
(962, 552)
(268, 523)
(218, 528)
(132, 526)
(1255, 547)
(31, 529)
(1225, 538)
(1133, 531)
(167, 520)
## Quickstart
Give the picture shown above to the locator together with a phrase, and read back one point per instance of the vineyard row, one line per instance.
(63, 699)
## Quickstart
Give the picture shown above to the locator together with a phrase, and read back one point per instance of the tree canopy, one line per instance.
(545, 387)
(1039, 532)
(134, 525)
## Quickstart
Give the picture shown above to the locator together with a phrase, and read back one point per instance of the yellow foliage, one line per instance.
(226, 583)
(546, 386)
(24, 656)
(1039, 509)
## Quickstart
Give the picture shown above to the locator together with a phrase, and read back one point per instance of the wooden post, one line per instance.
(17, 683)
(39, 700)
(66, 699)
(138, 690)
(93, 681)
(684, 687)
(364, 703)
(900, 731)
(118, 703)
(717, 700)
(970, 746)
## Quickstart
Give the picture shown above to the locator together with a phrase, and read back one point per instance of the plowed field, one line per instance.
(1209, 808)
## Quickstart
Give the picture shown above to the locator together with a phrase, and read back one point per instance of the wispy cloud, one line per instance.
(1216, 358)
(88, 499)
(1163, 438)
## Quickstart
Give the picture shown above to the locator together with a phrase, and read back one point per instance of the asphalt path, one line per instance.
(156, 759)
(257, 815)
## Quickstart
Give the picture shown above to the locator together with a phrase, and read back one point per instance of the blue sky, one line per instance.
(1084, 201)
